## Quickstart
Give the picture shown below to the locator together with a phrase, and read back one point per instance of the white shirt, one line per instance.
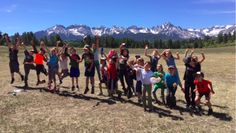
(138, 76)
(64, 64)
(146, 75)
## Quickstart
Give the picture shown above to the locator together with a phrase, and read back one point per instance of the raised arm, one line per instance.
(203, 58)
(177, 56)
(145, 51)
(186, 52)
(7, 41)
(163, 54)
(98, 41)
(34, 47)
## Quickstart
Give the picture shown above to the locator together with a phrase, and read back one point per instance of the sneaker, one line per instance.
(60, 81)
(92, 91)
(187, 106)
(73, 88)
(12, 80)
(22, 78)
(86, 90)
(210, 111)
(77, 87)
(139, 100)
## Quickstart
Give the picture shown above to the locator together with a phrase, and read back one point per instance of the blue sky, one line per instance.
(32, 15)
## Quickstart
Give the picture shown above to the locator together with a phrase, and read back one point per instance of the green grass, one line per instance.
(35, 111)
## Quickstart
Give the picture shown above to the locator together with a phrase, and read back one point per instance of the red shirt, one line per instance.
(111, 69)
(202, 86)
(39, 59)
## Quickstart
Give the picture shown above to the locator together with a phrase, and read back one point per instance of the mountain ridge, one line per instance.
(164, 31)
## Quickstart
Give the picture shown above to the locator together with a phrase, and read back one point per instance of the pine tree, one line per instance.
(225, 38)
(220, 38)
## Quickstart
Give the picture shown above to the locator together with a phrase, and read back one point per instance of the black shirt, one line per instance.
(88, 59)
(28, 57)
(13, 55)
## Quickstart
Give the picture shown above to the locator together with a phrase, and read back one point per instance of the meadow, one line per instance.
(35, 111)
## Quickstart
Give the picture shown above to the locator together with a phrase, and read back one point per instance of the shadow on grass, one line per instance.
(220, 116)
(113, 100)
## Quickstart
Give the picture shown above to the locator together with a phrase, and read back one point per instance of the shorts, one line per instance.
(139, 87)
(89, 73)
(206, 94)
(159, 85)
(14, 67)
(74, 72)
(52, 71)
(40, 69)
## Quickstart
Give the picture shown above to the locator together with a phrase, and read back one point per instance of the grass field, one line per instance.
(35, 111)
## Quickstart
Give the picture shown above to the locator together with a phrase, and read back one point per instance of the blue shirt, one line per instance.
(53, 61)
(170, 80)
(170, 61)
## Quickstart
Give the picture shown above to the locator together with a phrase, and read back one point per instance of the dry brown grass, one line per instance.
(35, 111)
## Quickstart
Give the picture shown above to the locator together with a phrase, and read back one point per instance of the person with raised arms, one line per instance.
(13, 57)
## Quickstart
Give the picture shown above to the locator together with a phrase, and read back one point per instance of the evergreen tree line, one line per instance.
(111, 42)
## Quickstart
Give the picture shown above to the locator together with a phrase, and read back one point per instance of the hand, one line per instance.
(212, 92)
(146, 47)
(192, 51)
(187, 50)
(175, 85)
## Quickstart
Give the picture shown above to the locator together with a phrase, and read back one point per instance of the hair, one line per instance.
(160, 66)
(140, 59)
(131, 62)
(148, 62)
(122, 52)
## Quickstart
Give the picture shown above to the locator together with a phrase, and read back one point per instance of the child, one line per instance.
(123, 58)
(52, 69)
(153, 58)
(39, 61)
(28, 64)
(13, 56)
(139, 65)
(198, 63)
(88, 58)
(95, 48)
(204, 88)
(112, 74)
(170, 60)
(172, 81)
(74, 66)
(160, 77)
(195, 59)
(104, 74)
(63, 60)
(146, 75)
(189, 86)
(131, 75)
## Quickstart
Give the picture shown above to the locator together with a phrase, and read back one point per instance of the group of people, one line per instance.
(116, 66)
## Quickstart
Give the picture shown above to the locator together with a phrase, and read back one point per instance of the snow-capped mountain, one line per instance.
(166, 31)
